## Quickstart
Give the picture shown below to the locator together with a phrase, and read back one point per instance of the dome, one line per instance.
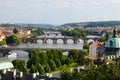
(113, 43)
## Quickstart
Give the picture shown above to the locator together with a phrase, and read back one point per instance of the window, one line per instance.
(111, 43)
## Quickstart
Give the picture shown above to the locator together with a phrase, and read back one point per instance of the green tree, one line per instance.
(2, 42)
(102, 39)
(20, 65)
(57, 62)
(74, 53)
(84, 52)
(81, 59)
(68, 60)
(47, 68)
(40, 68)
(52, 65)
(86, 46)
(33, 69)
(43, 58)
(13, 39)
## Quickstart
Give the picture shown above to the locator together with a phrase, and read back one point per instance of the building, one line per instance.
(4, 67)
(112, 46)
(2, 36)
(96, 49)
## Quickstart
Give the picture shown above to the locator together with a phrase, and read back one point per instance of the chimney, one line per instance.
(34, 75)
(4, 71)
(14, 73)
(37, 73)
(21, 74)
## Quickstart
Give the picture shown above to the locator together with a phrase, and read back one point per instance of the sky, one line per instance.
(58, 12)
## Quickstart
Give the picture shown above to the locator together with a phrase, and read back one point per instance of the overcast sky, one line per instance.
(58, 11)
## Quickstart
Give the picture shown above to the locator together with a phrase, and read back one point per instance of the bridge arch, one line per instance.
(80, 41)
(49, 41)
(40, 41)
(60, 41)
(90, 40)
(70, 41)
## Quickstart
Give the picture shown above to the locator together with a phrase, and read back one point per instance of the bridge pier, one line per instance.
(54, 40)
(65, 40)
(75, 40)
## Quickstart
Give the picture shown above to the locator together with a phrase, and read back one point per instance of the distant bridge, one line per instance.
(55, 39)
(6, 50)
(52, 32)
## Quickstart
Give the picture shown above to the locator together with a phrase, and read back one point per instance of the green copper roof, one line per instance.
(5, 65)
(113, 43)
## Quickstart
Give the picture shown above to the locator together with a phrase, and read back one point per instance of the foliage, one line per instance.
(74, 54)
(13, 39)
(86, 46)
(38, 31)
(52, 65)
(47, 68)
(20, 65)
(49, 60)
(57, 62)
(84, 52)
(74, 33)
(102, 39)
(33, 69)
(52, 60)
(102, 72)
(40, 68)
(3, 42)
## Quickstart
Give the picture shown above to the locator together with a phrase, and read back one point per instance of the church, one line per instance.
(112, 46)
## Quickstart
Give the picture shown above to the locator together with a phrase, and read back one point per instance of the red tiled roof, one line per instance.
(97, 44)
(2, 35)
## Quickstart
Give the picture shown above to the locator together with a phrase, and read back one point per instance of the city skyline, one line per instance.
(58, 11)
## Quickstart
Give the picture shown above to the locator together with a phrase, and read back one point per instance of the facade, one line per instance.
(96, 49)
(112, 46)
(2, 36)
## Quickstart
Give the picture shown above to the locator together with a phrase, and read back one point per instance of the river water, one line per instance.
(17, 54)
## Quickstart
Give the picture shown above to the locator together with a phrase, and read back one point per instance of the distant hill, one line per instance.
(93, 24)
(28, 25)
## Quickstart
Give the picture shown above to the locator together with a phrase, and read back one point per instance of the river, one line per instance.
(17, 54)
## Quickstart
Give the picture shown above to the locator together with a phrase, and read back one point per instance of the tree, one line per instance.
(47, 68)
(57, 62)
(20, 65)
(102, 39)
(13, 39)
(84, 52)
(52, 65)
(33, 69)
(2, 42)
(74, 53)
(86, 46)
(43, 58)
(40, 68)
(81, 59)
(68, 61)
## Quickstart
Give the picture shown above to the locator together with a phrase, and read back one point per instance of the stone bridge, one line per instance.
(5, 51)
(55, 39)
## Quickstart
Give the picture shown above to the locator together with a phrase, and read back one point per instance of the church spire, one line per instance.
(115, 33)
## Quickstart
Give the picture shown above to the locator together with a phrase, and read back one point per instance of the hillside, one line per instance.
(93, 24)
